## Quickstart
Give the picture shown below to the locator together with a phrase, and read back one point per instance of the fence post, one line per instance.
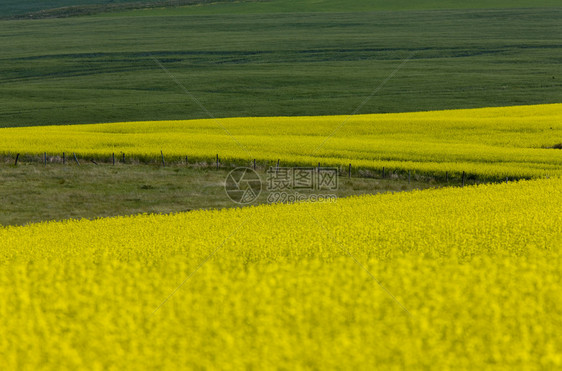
(254, 164)
(76, 158)
(17, 157)
(123, 157)
(162, 154)
(217, 161)
(45, 158)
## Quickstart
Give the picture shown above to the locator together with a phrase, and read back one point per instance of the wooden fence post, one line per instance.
(123, 157)
(76, 158)
(17, 158)
(254, 164)
(113, 158)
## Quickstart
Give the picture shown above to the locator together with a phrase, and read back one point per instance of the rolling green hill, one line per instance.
(19, 7)
(35, 9)
(101, 69)
(10, 8)
(302, 6)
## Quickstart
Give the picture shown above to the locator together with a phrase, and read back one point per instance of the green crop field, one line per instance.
(101, 69)
(18, 7)
(338, 6)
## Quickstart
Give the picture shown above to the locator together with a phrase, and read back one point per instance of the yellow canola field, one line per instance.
(446, 279)
(489, 142)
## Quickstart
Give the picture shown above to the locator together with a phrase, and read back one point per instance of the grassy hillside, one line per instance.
(87, 70)
(295, 6)
(68, 8)
(17, 7)
(58, 192)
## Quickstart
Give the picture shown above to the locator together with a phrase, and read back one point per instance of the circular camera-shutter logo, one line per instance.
(243, 185)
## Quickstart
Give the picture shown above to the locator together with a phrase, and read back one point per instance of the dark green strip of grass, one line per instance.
(64, 8)
(34, 193)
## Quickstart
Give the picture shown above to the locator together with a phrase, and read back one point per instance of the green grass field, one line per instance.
(99, 69)
(18, 8)
(33, 193)
(338, 6)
